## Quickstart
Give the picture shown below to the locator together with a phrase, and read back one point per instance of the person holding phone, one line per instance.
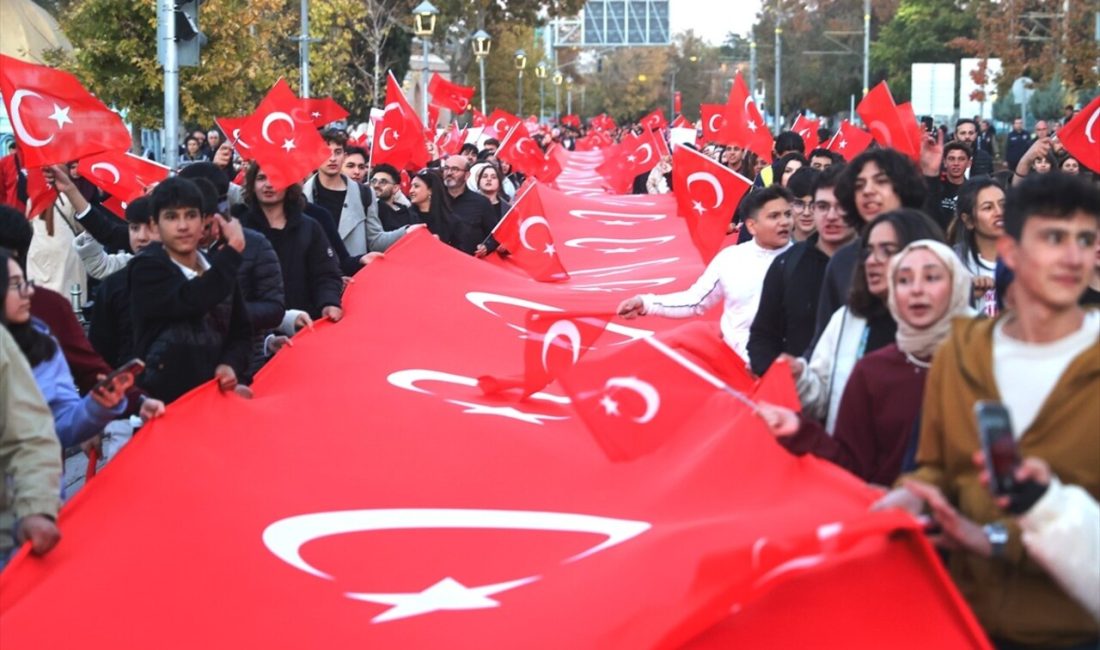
(1041, 359)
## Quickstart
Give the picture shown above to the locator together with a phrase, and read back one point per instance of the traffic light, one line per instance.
(189, 39)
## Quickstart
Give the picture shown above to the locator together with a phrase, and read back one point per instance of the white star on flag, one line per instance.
(315, 114)
(752, 126)
(632, 158)
(288, 144)
(610, 406)
(506, 412)
(549, 250)
(698, 207)
(61, 116)
(447, 594)
(843, 143)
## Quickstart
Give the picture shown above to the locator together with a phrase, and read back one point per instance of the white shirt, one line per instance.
(1026, 373)
(983, 268)
(735, 276)
(189, 273)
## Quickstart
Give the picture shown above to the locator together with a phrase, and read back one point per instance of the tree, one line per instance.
(696, 65)
(631, 84)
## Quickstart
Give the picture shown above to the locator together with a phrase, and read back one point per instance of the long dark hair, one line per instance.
(909, 225)
(35, 345)
(961, 233)
(292, 200)
(780, 165)
(438, 218)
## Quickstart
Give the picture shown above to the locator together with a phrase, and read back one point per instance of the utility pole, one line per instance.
(778, 70)
(866, 45)
(171, 87)
(752, 67)
(303, 48)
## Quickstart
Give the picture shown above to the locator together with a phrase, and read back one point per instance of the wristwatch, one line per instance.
(997, 535)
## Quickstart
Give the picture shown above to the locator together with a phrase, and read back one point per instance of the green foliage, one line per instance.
(1047, 101)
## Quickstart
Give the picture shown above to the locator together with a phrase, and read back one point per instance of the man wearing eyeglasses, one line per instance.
(384, 181)
(474, 213)
(784, 322)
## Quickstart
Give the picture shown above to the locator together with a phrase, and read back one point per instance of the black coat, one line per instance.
(311, 276)
(474, 219)
(184, 329)
(261, 283)
(111, 330)
(786, 316)
(835, 286)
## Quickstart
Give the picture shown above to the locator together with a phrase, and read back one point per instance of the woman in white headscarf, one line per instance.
(878, 422)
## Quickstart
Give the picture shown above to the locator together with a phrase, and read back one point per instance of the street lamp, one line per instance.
(541, 71)
(482, 43)
(558, 79)
(521, 63)
(423, 26)
(569, 95)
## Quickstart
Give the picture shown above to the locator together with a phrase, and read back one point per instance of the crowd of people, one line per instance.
(898, 293)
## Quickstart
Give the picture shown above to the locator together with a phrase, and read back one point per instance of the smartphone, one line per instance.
(133, 367)
(998, 445)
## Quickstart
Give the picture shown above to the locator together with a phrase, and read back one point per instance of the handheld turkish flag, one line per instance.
(500, 122)
(707, 195)
(807, 128)
(115, 206)
(40, 194)
(284, 141)
(713, 119)
(682, 122)
(636, 154)
(744, 125)
(399, 135)
(525, 234)
(451, 140)
(555, 342)
(433, 119)
(636, 398)
(571, 120)
(55, 120)
(655, 120)
(1081, 138)
(912, 126)
(449, 95)
(479, 119)
(849, 141)
(777, 387)
(231, 127)
(885, 122)
(604, 122)
(323, 110)
(120, 174)
(520, 151)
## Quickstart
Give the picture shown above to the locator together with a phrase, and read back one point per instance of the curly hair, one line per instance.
(904, 176)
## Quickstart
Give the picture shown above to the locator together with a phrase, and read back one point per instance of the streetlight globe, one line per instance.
(569, 82)
(482, 43)
(541, 69)
(558, 78)
(642, 78)
(521, 59)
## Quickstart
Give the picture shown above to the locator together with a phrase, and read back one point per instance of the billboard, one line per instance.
(933, 89)
(611, 23)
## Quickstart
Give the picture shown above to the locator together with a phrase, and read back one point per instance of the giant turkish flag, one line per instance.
(371, 495)
(1081, 137)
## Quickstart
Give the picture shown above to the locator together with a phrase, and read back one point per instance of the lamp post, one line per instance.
(540, 71)
(569, 95)
(672, 88)
(423, 26)
(482, 43)
(778, 74)
(559, 78)
(521, 63)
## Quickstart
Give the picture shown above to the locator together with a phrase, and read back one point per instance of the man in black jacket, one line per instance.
(966, 131)
(385, 182)
(190, 323)
(784, 322)
(311, 277)
(473, 213)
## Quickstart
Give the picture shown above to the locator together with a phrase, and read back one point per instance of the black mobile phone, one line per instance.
(132, 367)
(998, 445)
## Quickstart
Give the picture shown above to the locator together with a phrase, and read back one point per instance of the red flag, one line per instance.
(655, 120)
(1081, 138)
(120, 174)
(525, 234)
(777, 387)
(603, 122)
(555, 342)
(744, 125)
(807, 128)
(284, 141)
(116, 207)
(571, 120)
(500, 121)
(912, 126)
(231, 127)
(433, 119)
(451, 140)
(479, 119)
(635, 155)
(713, 119)
(55, 120)
(678, 103)
(40, 194)
(682, 122)
(638, 397)
(449, 95)
(524, 155)
(885, 122)
(323, 110)
(849, 140)
(399, 135)
(707, 195)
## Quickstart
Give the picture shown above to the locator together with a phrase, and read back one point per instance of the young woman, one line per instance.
(485, 179)
(876, 429)
(864, 324)
(1070, 165)
(430, 206)
(787, 165)
(76, 419)
(979, 222)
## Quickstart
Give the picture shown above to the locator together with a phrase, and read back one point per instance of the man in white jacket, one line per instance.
(735, 275)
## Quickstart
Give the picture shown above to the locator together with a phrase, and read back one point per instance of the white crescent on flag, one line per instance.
(881, 133)
(648, 152)
(564, 328)
(710, 122)
(527, 223)
(1089, 126)
(709, 179)
(17, 120)
(644, 389)
(277, 116)
(109, 167)
(382, 139)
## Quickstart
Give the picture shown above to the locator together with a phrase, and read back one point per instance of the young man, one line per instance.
(734, 276)
(355, 164)
(1041, 359)
(474, 213)
(784, 322)
(352, 207)
(801, 186)
(491, 145)
(384, 181)
(943, 188)
(966, 131)
(821, 159)
(1017, 143)
(190, 323)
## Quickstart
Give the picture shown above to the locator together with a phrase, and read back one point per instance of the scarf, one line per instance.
(919, 342)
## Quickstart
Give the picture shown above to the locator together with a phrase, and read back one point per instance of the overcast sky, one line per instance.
(713, 19)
